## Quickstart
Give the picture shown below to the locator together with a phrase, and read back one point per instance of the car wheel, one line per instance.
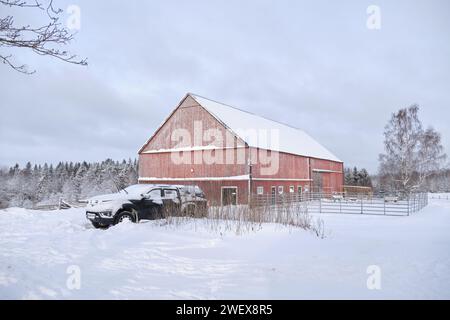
(124, 216)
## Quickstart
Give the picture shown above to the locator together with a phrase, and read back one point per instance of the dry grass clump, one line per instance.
(243, 218)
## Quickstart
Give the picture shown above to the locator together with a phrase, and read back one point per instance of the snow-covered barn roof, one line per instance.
(291, 140)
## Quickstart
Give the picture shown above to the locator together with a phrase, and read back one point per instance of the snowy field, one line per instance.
(149, 261)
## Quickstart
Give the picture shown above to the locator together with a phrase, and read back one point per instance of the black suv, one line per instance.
(146, 202)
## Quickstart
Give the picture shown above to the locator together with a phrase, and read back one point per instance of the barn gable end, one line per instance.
(189, 114)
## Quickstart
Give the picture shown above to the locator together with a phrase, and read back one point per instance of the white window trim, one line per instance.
(258, 189)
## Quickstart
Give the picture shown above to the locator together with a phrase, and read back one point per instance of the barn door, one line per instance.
(273, 195)
(229, 196)
(317, 182)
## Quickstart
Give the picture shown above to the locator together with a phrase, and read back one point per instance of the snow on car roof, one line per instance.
(290, 139)
(138, 189)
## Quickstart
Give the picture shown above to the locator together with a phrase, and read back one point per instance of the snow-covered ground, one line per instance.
(150, 261)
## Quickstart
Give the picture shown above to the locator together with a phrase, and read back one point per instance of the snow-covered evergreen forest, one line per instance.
(36, 184)
(355, 177)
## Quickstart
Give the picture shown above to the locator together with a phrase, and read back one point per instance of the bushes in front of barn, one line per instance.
(248, 218)
(243, 219)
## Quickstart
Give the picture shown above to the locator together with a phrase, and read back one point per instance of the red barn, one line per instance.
(232, 154)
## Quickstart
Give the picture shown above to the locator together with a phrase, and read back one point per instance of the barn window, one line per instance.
(299, 189)
(291, 189)
(260, 190)
(280, 190)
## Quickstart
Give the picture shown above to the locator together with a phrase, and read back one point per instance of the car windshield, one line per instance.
(137, 189)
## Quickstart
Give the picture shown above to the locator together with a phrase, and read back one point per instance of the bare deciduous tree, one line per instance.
(431, 155)
(412, 154)
(44, 40)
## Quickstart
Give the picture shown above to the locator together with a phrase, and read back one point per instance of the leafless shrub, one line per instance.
(319, 228)
(244, 219)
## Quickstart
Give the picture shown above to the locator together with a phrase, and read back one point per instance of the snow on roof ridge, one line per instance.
(310, 146)
(242, 110)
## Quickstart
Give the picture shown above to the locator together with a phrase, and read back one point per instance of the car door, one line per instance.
(171, 202)
(152, 205)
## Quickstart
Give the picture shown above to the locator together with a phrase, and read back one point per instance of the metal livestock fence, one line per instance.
(347, 204)
(439, 196)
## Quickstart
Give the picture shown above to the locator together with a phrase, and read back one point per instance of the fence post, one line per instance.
(419, 201)
(408, 205)
(320, 204)
(384, 205)
(416, 203)
(362, 210)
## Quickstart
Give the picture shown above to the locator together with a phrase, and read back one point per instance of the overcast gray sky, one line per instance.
(314, 65)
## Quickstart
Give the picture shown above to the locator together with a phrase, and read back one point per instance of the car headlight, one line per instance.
(105, 214)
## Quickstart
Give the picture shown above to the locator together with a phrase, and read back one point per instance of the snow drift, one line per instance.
(153, 260)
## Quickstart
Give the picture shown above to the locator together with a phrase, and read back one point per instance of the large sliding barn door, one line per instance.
(317, 182)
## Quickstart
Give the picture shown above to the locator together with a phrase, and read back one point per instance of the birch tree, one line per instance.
(411, 153)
